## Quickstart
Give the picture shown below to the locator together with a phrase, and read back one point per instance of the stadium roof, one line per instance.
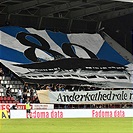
(71, 16)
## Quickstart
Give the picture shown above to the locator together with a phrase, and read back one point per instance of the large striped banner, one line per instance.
(41, 56)
(85, 97)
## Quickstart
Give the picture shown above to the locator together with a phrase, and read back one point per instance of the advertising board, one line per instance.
(74, 113)
(7, 106)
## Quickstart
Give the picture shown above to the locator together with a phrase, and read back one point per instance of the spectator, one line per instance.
(1, 72)
(62, 87)
(31, 94)
(26, 87)
(20, 95)
(40, 87)
(54, 88)
(25, 97)
(36, 100)
(12, 76)
(14, 107)
(8, 92)
(28, 94)
(47, 87)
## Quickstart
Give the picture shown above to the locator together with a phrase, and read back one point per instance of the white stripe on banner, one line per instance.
(90, 41)
(11, 42)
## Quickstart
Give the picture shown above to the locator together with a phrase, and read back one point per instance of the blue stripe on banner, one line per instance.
(58, 37)
(9, 54)
(13, 30)
(33, 40)
(108, 53)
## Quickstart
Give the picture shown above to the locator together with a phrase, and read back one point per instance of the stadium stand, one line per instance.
(9, 80)
(13, 84)
(4, 99)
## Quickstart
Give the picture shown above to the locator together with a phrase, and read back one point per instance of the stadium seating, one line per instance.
(4, 99)
(13, 84)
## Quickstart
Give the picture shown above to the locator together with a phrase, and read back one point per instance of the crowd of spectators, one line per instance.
(51, 87)
(24, 93)
(29, 91)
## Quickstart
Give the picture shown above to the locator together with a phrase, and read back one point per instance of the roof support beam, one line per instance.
(26, 5)
(92, 10)
(4, 1)
(63, 7)
(124, 0)
(114, 14)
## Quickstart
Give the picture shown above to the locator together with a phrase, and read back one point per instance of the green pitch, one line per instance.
(81, 125)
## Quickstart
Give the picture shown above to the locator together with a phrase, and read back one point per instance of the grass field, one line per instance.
(81, 125)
